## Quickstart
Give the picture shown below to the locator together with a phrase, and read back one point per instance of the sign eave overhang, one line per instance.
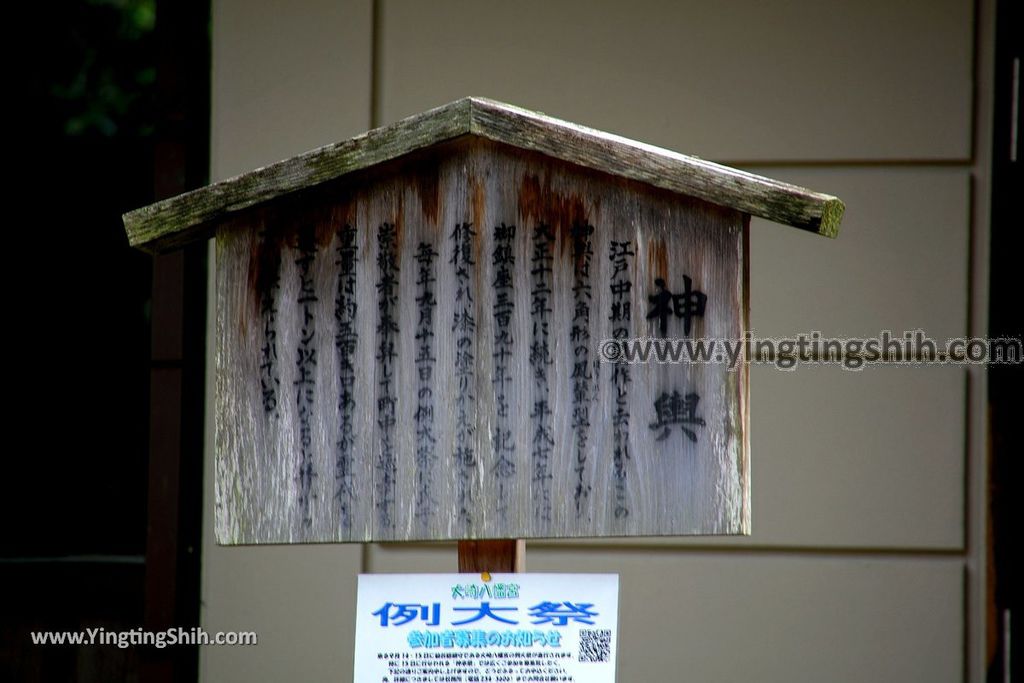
(174, 222)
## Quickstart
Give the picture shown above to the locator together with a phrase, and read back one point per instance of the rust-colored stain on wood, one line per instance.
(308, 228)
(423, 173)
(265, 258)
(478, 196)
(306, 225)
(399, 223)
(657, 259)
(539, 203)
(479, 200)
(323, 229)
(306, 237)
(341, 215)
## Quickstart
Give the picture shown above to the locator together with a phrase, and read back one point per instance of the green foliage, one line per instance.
(97, 74)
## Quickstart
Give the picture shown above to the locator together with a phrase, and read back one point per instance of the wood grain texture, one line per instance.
(363, 338)
(173, 222)
(504, 555)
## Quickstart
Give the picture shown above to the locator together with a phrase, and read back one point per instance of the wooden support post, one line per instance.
(501, 555)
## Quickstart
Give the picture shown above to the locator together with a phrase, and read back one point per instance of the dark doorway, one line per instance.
(115, 113)
(1005, 321)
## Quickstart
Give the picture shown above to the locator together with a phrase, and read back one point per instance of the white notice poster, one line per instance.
(497, 628)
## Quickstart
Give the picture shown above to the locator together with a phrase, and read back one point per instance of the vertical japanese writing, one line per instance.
(387, 334)
(305, 382)
(426, 456)
(620, 316)
(676, 409)
(503, 260)
(270, 273)
(345, 306)
(464, 330)
(540, 364)
(582, 377)
(688, 305)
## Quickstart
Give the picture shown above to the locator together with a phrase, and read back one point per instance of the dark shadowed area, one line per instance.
(73, 543)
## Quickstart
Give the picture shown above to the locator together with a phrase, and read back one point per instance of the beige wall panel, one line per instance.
(416, 558)
(871, 459)
(734, 80)
(735, 617)
(900, 261)
(287, 77)
(300, 601)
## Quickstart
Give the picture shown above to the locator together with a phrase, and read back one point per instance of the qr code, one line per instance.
(595, 644)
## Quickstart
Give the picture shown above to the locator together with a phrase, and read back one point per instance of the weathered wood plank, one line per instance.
(170, 223)
(503, 555)
(173, 222)
(417, 356)
(718, 184)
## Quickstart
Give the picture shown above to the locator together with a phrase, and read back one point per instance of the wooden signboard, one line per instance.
(409, 331)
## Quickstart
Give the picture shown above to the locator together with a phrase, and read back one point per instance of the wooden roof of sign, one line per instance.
(170, 223)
